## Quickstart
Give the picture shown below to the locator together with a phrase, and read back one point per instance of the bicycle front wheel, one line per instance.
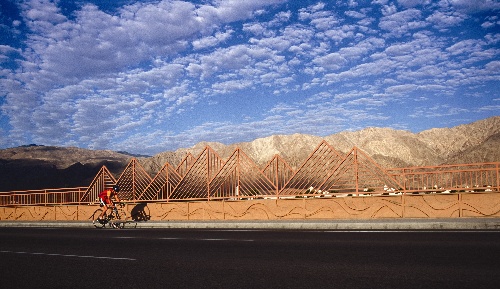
(120, 218)
(96, 223)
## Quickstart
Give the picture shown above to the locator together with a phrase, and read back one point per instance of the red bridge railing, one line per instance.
(44, 197)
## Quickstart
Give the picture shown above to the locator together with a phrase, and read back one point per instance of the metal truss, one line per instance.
(279, 172)
(196, 182)
(133, 181)
(162, 184)
(104, 179)
(185, 164)
(240, 178)
(323, 160)
(356, 173)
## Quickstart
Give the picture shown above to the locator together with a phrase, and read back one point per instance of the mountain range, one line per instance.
(37, 167)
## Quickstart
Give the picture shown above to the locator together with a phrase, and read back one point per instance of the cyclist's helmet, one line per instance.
(116, 188)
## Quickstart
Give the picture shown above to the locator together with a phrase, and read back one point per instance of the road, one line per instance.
(193, 258)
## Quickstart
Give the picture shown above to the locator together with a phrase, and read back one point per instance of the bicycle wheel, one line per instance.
(120, 218)
(96, 223)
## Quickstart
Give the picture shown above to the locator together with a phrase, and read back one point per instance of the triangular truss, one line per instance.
(356, 173)
(185, 164)
(313, 171)
(103, 180)
(162, 185)
(133, 181)
(278, 171)
(195, 183)
(240, 178)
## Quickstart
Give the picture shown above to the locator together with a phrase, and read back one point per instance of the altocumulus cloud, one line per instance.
(149, 76)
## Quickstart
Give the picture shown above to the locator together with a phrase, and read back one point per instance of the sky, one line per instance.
(153, 76)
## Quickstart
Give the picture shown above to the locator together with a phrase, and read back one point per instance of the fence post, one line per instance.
(460, 206)
(498, 177)
(403, 205)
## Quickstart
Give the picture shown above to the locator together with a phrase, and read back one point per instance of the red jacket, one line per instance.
(107, 194)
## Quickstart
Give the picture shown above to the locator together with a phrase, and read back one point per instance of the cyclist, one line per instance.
(105, 198)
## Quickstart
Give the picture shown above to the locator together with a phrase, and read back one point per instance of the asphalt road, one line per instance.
(193, 258)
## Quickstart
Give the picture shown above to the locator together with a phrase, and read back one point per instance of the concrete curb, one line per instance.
(397, 224)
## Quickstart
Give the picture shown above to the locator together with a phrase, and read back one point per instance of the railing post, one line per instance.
(498, 177)
(356, 171)
(277, 180)
(403, 204)
(460, 205)
(208, 174)
(404, 181)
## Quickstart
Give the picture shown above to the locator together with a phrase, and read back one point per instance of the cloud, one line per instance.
(6, 49)
(401, 89)
(234, 10)
(332, 61)
(413, 3)
(464, 47)
(437, 111)
(362, 48)
(318, 17)
(70, 63)
(230, 85)
(355, 14)
(491, 21)
(493, 66)
(162, 71)
(400, 23)
(211, 41)
(442, 20)
(475, 6)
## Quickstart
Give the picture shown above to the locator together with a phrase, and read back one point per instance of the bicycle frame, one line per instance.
(116, 218)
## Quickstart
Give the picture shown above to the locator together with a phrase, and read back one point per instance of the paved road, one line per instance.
(194, 258)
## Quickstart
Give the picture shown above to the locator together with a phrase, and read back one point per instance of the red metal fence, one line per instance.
(324, 173)
(43, 197)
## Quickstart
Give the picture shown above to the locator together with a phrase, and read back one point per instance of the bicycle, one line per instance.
(116, 219)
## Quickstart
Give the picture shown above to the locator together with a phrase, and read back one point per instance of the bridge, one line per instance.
(330, 180)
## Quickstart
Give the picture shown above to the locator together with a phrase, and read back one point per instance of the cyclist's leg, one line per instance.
(111, 207)
(104, 209)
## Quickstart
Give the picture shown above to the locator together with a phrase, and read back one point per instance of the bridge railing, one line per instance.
(478, 177)
(45, 197)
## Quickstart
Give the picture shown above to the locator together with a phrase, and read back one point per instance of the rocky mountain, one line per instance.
(470, 143)
(487, 151)
(294, 148)
(60, 157)
(36, 167)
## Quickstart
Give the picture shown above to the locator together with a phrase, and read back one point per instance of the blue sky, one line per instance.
(151, 76)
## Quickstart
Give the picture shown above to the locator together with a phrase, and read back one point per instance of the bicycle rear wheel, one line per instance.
(96, 223)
